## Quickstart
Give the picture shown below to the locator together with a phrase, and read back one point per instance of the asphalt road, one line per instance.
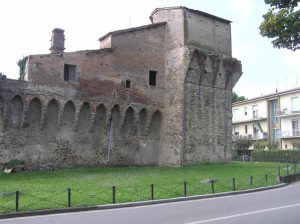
(273, 206)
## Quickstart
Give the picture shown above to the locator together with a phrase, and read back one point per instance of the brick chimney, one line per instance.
(57, 41)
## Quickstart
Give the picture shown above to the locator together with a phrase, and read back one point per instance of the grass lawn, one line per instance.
(93, 186)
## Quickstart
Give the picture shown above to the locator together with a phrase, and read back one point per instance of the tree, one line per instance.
(282, 22)
(22, 63)
(236, 98)
(2, 77)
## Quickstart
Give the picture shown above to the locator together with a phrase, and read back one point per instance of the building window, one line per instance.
(236, 130)
(295, 126)
(69, 72)
(245, 110)
(274, 104)
(235, 115)
(255, 111)
(246, 129)
(295, 104)
(152, 78)
(127, 84)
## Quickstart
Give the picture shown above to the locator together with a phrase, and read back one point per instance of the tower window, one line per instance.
(128, 84)
(69, 72)
(152, 78)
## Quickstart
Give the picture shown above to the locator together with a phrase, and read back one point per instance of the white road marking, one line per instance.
(243, 214)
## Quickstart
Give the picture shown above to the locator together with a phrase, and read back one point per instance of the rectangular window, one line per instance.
(245, 110)
(295, 126)
(128, 84)
(69, 72)
(152, 78)
(236, 130)
(246, 129)
(255, 111)
(276, 134)
(295, 104)
(274, 104)
(235, 115)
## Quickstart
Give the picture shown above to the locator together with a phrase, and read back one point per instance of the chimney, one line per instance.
(57, 41)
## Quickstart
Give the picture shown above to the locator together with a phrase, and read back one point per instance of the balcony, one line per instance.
(249, 118)
(257, 136)
(286, 112)
(295, 133)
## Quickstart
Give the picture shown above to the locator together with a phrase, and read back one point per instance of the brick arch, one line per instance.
(128, 122)
(51, 117)
(34, 112)
(100, 119)
(156, 125)
(16, 106)
(84, 118)
(142, 121)
(196, 69)
(68, 118)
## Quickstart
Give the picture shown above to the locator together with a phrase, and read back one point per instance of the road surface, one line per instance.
(280, 205)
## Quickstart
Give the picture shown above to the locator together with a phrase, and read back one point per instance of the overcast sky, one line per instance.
(26, 26)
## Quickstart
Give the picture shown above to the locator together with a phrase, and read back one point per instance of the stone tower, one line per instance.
(57, 41)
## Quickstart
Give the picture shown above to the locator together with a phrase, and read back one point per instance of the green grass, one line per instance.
(93, 186)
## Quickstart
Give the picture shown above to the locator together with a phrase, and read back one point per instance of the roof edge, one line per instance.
(188, 9)
(132, 29)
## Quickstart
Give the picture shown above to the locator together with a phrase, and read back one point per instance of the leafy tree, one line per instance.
(2, 77)
(22, 63)
(282, 22)
(236, 98)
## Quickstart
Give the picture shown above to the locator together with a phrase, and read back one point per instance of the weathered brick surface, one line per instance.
(96, 120)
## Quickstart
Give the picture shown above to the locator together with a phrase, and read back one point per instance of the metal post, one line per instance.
(266, 178)
(69, 197)
(279, 171)
(17, 201)
(212, 187)
(152, 191)
(184, 189)
(114, 195)
(233, 184)
(251, 182)
(287, 169)
(295, 168)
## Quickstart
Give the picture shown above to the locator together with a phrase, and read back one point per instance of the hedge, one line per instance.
(281, 156)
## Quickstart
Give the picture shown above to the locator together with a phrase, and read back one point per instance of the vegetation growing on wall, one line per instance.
(2, 77)
(21, 63)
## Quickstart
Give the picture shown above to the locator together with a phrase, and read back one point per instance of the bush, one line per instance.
(12, 163)
(260, 145)
(273, 145)
(282, 156)
(242, 144)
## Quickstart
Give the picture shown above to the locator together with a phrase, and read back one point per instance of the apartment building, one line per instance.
(273, 118)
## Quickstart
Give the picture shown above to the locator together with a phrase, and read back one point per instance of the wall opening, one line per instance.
(34, 113)
(84, 118)
(51, 117)
(68, 119)
(128, 122)
(152, 78)
(100, 119)
(16, 111)
(69, 72)
(127, 84)
(156, 125)
(1, 112)
(142, 121)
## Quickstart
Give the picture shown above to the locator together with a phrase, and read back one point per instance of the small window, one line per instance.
(245, 109)
(69, 72)
(128, 84)
(152, 78)
(246, 129)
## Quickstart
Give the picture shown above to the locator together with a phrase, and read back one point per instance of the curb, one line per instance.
(133, 204)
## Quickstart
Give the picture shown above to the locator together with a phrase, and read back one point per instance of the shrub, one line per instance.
(242, 144)
(260, 145)
(273, 145)
(283, 156)
(12, 163)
